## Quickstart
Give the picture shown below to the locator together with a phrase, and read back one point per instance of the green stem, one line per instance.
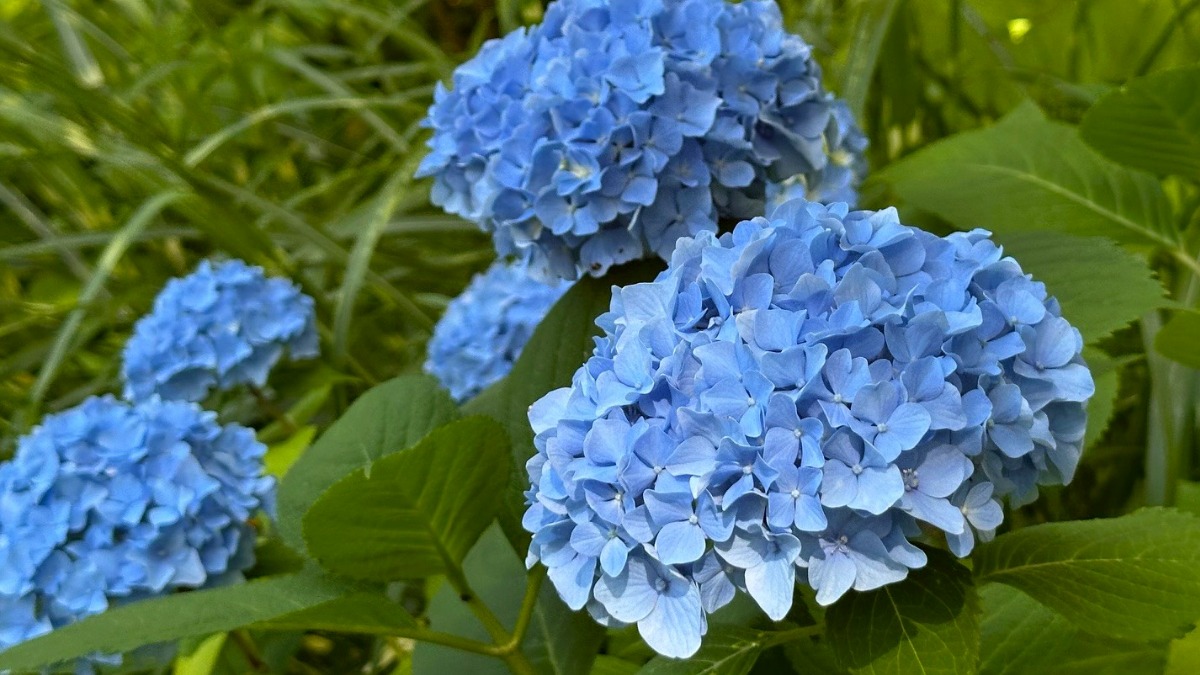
(249, 650)
(790, 635)
(273, 411)
(445, 640)
(528, 604)
(507, 646)
(1164, 37)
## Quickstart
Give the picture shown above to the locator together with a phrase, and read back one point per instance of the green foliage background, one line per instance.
(140, 136)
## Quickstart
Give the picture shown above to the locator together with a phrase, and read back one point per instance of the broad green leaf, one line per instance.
(558, 641)
(559, 346)
(1029, 173)
(1152, 123)
(202, 660)
(1187, 497)
(1103, 402)
(928, 623)
(612, 665)
(281, 456)
(1096, 304)
(1137, 576)
(1183, 655)
(812, 655)
(726, 650)
(414, 513)
(389, 417)
(368, 613)
(1179, 340)
(182, 615)
(1021, 637)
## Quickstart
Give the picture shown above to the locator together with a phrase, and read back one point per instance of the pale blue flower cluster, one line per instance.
(612, 129)
(111, 502)
(224, 325)
(484, 330)
(798, 396)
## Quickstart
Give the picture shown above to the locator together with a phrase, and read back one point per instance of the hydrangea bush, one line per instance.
(612, 129)
(799, 396)
(225, 324)
(110, 502)
(484, 330)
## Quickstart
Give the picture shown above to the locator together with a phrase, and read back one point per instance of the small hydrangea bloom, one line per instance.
(111, 502)
(484, 330)
(224, 325)
(612, 129)
(792, 400)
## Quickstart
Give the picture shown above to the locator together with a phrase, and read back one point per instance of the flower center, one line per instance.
(882, 427)
(797, 432)
(660, 585)
(911, 480)
(795, 493)
(857, 469)
(693, 519)
(748, 469)
(837, 398)
(657, 470)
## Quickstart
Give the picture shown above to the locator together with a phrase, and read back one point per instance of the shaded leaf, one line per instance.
(1137, 576)
(1029, 173)
(1096, 304)
(1021, 637)
(414, 513)
(1183, 655)
(726, 650)
(928, 623)
(1179, 339)
(559, 346)
(172, 617)
(1152, 123)
(387, 418)
(369, 613)
(558, 641)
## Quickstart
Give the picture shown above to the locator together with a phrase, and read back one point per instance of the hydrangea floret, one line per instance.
(111, 502)
(612, 129)
(225, 324)
(485, 328)
(801, 396)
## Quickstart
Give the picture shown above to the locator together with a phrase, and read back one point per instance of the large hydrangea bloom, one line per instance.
(484, 330)
(798, 397)
(111, 502)
(612, 129)
(224, 325)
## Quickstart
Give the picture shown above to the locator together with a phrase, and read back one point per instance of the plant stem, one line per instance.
(507, 646)
(242, 639)
(1164, 37)
(273, 411)
(790, 635)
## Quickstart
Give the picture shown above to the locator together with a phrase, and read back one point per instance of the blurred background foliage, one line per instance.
(140, 136)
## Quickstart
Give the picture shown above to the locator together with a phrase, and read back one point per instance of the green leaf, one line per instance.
(1096, 304)
(172, 617)
(928, 623)
(612, 665)
(1028, 173)
(1021, 637)
(558, 641)
(1179, 340)
(559, 346)
(726, 650)
(1136, 576)
(389, 417)
(281, 456)
(202, 660)
(873, 24)
(414, 513)
(1183, 656)
(1152, 123)
(368, 613)
(1103, 403)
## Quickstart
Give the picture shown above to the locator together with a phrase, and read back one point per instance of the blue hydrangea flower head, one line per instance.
(484, 330)
(792, 400)
(224, 325)
(612, 129)
(110, 502)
